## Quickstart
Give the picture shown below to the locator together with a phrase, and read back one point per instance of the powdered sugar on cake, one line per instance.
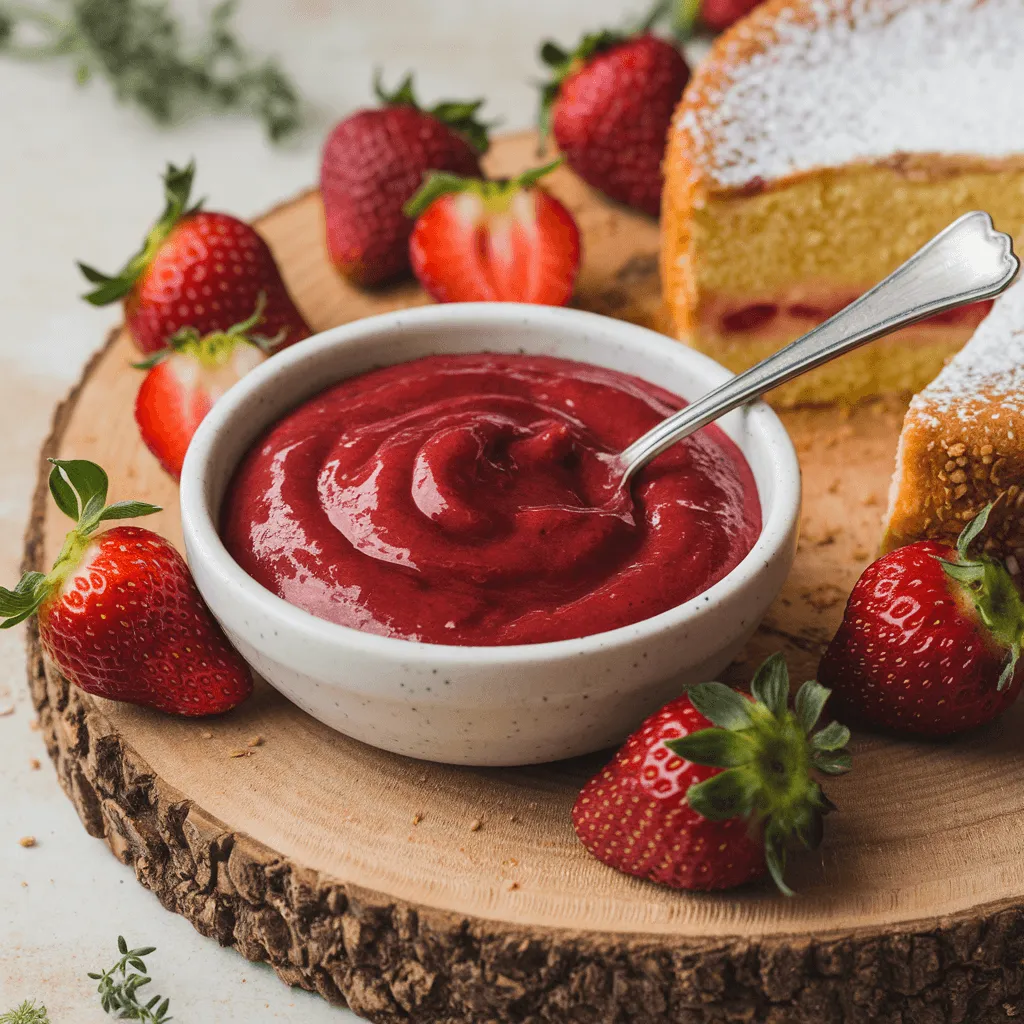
(990, 365)
(855, 80)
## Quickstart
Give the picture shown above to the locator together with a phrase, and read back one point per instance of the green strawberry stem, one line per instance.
(214, 349)
(177, 187)
(79, 489)
(459, 115)
(769, 753)
(990, 589)
(496, 194)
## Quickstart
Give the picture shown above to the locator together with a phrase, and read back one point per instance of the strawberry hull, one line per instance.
(508, 241)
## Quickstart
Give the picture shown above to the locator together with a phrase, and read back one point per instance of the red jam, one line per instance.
(464, 500)
(756, 315)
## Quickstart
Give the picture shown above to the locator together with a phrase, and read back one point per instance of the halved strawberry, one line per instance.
(496, 241)
(187, 377)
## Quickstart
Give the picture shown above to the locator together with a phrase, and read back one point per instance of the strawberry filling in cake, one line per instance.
(781, 317)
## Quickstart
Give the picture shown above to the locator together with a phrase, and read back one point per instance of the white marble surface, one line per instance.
(79, 179)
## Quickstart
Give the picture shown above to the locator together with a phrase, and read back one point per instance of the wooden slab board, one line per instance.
(361, 874)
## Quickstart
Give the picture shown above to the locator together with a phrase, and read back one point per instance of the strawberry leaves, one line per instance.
(731, 794)
(90, 482)
(718, 747)
(768, 752)
(496, 193)
(721, 704)
(970, 533)
(770, 685)
(18, 604)
(459, 115)
(79, 489)
(809, 704)
(992, 591)
(177, 189)
(215, 348)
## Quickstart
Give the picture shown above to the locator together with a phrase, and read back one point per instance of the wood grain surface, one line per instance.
(415, 891)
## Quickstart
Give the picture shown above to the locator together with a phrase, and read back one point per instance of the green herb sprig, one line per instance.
(119, 987)
(138, 46)
(28, 1013)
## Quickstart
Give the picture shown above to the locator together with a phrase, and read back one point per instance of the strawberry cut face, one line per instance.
(518, 247)
(82, 582)
(500, 245)
(190, 376)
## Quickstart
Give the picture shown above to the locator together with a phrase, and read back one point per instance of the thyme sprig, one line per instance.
(28, 1013)
(138, 46)
(119, 987)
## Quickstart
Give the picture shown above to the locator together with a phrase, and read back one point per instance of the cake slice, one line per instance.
(962, 444)
(822, 143)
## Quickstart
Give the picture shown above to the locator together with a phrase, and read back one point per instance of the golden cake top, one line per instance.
(804, 84)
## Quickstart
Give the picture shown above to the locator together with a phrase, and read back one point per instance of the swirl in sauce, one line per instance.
(464, 500)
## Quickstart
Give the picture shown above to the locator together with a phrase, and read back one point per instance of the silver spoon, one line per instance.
(967, 262)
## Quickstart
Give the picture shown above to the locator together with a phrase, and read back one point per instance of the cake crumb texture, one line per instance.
(961, 445)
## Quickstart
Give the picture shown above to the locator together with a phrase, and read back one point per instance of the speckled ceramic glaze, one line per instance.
(483, 705)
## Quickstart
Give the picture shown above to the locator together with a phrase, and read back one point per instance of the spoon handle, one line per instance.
(967, 262)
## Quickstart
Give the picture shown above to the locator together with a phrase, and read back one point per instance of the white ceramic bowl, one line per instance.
(483, 705)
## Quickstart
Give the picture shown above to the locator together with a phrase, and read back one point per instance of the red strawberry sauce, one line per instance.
(461, 499)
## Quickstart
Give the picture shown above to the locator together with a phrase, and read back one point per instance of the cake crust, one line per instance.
(961, 446)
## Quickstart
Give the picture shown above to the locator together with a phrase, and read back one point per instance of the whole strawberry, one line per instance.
(493, 241)
(930, 640)
(197, 269)
(710, 792)
(609, 104)
(372, 164)
(186, 377)
(119, 614)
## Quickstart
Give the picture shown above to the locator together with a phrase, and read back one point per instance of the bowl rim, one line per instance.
(202, 536)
